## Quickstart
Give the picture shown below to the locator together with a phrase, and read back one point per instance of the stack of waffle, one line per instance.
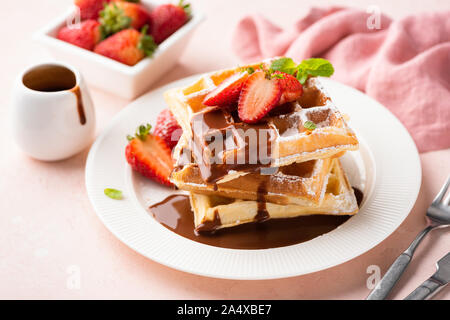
(239, 173)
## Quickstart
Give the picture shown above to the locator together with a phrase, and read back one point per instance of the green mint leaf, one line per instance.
(286, 65)
(309, 67)
(316, 67)
(309, 125)
(113, 193)
(302, 77)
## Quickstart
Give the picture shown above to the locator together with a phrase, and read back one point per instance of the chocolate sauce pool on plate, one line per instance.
(358, 195)
(175, 214)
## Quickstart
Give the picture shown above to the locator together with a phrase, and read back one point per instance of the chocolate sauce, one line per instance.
(262, 214)
(54, 78)
(359, 195)
(238, 141)
(49, 78)
(209, 226)
(80, 108)
(175, 214)
(312, 97)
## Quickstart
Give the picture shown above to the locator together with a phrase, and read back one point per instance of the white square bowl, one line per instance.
(110, 75)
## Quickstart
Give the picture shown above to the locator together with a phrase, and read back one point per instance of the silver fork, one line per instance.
(438, 215)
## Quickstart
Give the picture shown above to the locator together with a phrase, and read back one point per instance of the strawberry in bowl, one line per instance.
(128, 46)
(75, 35)
(102, 19)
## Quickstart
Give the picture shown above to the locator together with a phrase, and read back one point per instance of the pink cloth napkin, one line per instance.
(405, 64)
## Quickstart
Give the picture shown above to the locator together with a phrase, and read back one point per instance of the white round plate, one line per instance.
(387, 168)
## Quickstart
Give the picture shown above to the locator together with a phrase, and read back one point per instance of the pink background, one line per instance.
(48, 226)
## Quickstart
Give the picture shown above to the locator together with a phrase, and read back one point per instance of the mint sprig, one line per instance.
(113, 193)
(286, 65)
(309, 67)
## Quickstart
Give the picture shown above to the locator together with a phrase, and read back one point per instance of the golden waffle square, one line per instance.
(212, 212)
(281, 137)
(298, 183)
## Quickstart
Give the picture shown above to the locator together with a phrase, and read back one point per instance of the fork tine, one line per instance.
(442, 192)
(447, 200)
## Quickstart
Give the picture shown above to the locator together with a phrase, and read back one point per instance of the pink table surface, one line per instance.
(48, 228)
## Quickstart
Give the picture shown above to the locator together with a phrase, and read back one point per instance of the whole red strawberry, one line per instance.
(89, 9)
(128, 46)
(119, 15)
(148, 154)
(168, 128)
(168, 18)
(85, 34)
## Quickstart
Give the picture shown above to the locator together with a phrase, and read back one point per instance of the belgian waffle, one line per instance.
(212, 212)
(281, 137)
(298, 183)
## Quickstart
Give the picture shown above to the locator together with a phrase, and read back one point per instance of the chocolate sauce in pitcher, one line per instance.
(54, 78)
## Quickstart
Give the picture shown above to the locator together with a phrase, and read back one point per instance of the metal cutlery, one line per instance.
(435, 283)
(438, 215)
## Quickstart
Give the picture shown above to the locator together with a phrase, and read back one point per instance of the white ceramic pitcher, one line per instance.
(53, 116)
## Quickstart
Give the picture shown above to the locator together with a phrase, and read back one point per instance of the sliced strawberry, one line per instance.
(168, 128)
(227, 92)
(259, 95)
(291, 88)
(149, 155)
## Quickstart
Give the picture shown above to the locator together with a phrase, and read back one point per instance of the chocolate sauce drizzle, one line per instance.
(214, 124)
(262, 214)
(209, 226)
(80, 108)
